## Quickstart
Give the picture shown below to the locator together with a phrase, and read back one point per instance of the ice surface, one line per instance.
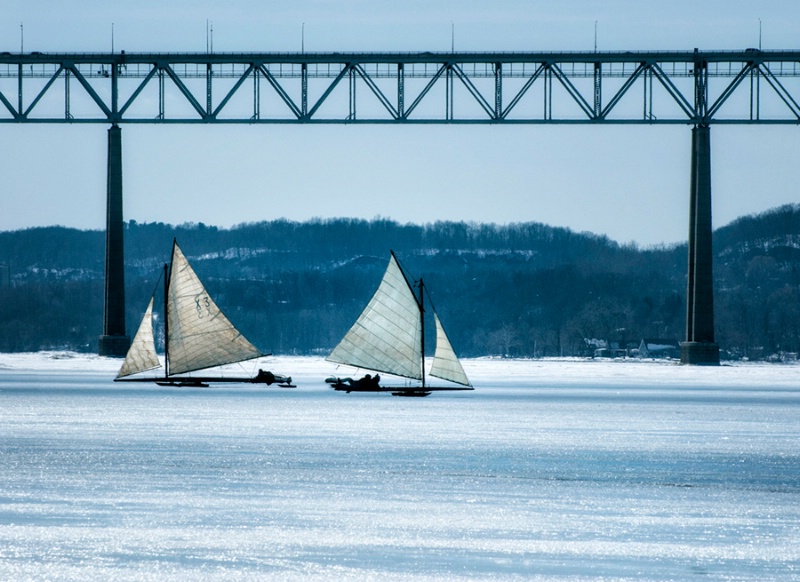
(550, 469)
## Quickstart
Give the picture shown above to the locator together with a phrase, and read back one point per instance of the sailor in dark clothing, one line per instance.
(265, 377)
(367, 382)
(269, 378)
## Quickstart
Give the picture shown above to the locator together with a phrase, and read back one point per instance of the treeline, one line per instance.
(523, 289)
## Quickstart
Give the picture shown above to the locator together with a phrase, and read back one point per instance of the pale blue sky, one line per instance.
(630, 183)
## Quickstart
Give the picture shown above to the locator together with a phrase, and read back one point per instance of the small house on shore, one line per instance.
(659, 348)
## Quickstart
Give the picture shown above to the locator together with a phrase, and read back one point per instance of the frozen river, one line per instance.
(548, 470)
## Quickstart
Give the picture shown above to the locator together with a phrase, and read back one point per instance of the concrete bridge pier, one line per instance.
(114, 341)
(700, 347)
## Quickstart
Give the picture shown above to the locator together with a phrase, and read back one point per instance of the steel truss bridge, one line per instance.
(689, 87)
(694, 88)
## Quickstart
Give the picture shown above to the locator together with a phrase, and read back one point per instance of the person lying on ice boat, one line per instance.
(367, 383)
(269, 378)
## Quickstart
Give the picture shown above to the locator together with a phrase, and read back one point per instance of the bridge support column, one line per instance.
(700, 347)
(114, 341)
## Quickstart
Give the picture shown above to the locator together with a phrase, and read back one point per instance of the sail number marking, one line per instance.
(203, 306)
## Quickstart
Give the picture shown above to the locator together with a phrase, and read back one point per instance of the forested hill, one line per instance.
(281, 244)
(522, 289)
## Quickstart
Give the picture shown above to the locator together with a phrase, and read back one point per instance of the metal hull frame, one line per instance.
(419, 391)
(205, 381)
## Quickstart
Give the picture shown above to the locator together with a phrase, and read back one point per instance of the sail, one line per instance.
(387, 336)
(142, 353)
(445, 362)
(200, 336)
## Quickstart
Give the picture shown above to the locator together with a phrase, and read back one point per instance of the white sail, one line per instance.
(445, 362)
(142, 353)
(387, 335)
(200, 336)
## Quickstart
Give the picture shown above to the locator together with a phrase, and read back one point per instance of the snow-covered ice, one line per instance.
(550, 469)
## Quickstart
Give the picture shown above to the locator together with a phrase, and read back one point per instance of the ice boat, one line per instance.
(198, 336)
(389, 337)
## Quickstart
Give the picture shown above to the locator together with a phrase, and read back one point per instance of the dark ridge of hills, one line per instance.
(522, 289)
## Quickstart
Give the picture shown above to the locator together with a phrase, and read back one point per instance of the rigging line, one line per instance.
(416, 284)
(430, 299)
(160, 275)
(405, 277)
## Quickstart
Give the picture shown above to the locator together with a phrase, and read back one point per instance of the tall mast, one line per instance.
(422, 326)
(166, 313)
(166, 322)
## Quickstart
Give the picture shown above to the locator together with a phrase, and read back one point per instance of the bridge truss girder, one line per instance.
(690, 87)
